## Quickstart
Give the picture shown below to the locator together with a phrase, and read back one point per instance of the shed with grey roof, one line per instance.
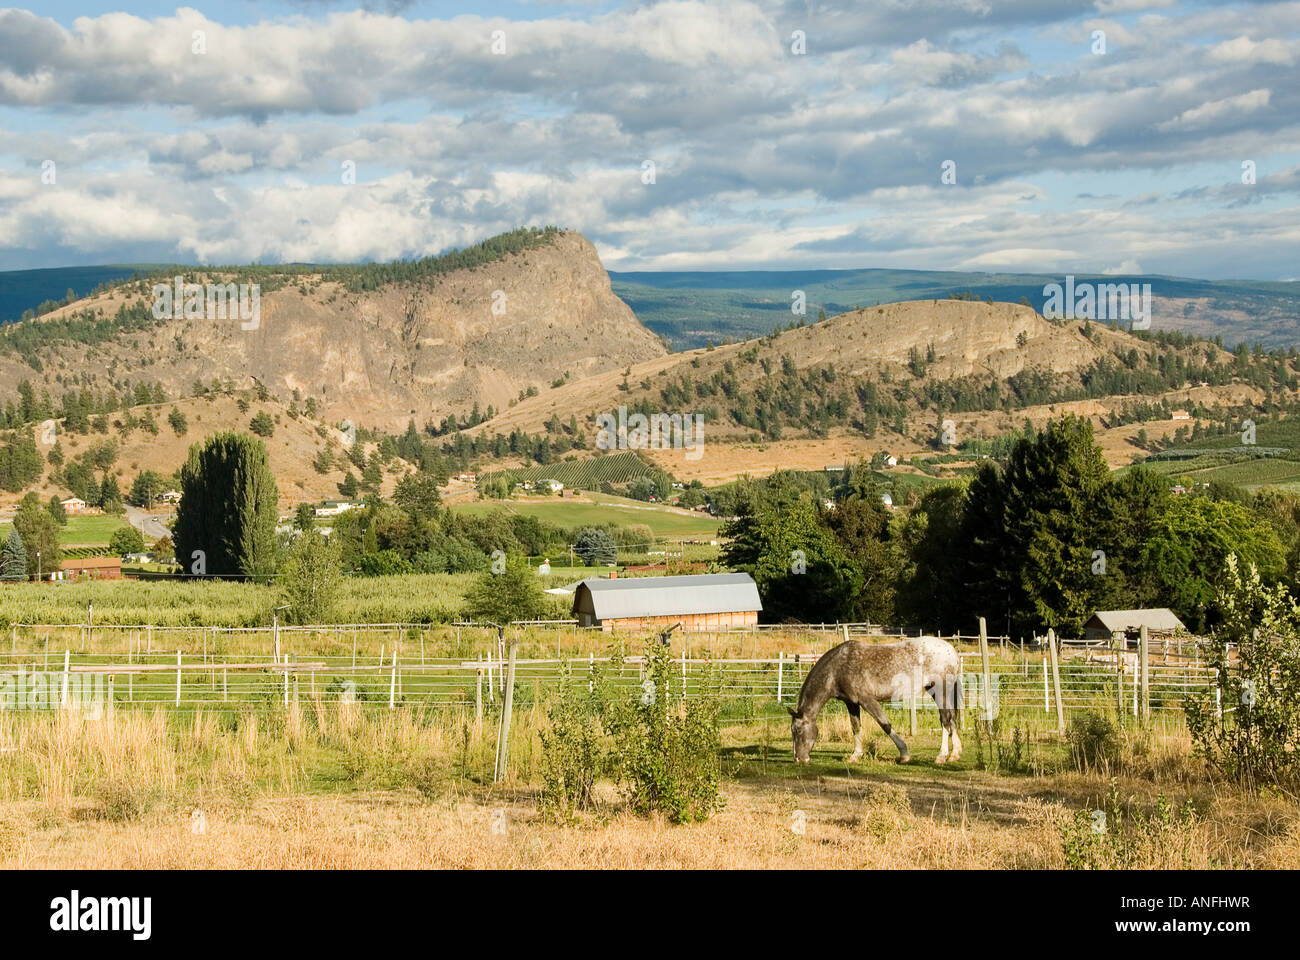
(705, 602)
(1158, 620)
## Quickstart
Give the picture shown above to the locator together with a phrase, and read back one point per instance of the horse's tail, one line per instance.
(956, 698)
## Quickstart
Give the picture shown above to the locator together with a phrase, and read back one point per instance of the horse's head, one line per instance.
(803, 730)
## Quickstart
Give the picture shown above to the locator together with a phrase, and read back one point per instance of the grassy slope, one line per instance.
(664, 521)
(85, 531)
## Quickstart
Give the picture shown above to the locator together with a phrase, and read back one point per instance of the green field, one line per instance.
(664, 521)
(83, 530)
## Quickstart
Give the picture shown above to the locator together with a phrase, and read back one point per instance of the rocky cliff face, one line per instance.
(383, 357)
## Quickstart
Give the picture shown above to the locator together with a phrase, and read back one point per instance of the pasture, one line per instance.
(86, 531)
(598, 508)
(367, 761)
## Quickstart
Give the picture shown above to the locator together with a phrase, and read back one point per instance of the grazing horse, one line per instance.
(863, 674)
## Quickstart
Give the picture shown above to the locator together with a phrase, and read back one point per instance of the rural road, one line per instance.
(146, 524)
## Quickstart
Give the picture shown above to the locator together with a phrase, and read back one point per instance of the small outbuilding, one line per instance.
(92, 568)
(1159, 621)
(703, 602)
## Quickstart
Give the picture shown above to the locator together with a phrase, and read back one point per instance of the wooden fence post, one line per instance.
(478, 698)
(503, 738)
(1047, 701)
(67, 670)
(392, 683)
(1056, 680)
(986, 679)
(1117, 639)
(1144, 644)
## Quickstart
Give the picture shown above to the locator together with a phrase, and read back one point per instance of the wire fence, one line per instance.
(391, 666)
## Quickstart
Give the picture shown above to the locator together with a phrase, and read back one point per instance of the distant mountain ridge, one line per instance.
(693, 309)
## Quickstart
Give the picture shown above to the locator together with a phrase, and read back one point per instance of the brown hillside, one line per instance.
(382, 357)
(292, 448)
(968, 337)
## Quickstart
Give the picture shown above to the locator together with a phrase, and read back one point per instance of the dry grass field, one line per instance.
(329, 787)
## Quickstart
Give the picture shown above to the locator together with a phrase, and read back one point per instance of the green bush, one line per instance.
(1094, 740)
(1247, 725)
(1114, 837)
(573, 751)
(666, 745)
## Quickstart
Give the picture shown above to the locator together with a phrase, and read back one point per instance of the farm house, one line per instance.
(1159, 621)
(703, 602)
(92, 568)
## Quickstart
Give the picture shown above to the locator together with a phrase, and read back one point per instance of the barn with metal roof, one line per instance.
(1158, 621)
(704, 602)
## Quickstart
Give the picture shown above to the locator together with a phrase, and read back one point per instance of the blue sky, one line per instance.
(121, 140)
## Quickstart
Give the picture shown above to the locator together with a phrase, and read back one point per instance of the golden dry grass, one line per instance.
(846, 825)
(121, 791)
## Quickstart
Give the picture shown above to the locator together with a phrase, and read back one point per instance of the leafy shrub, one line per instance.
(666, 745)
(120, 801)
(886, 812)
(382, 563)
(1115, 838)
(573, 753)
(1247, 726)
(427, 776)
(1094, 740)
(993, 752)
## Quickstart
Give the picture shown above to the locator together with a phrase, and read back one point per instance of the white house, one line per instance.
(332, 508)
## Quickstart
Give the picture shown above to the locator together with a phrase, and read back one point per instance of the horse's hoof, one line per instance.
(853, 759)
(940, 760)
(904, 759)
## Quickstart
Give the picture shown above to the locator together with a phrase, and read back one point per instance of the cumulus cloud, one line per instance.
(765, 154)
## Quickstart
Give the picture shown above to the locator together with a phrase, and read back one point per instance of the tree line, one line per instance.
(1040, 539)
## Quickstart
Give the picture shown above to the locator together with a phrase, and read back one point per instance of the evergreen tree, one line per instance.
(595, 546)
(13, 558)
(1057, 516)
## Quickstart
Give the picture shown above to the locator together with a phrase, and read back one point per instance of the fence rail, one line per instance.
(748, 684)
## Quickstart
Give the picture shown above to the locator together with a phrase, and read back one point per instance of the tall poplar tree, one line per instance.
(227, 512)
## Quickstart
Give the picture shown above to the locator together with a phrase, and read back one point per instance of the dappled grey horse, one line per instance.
(865, 674)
